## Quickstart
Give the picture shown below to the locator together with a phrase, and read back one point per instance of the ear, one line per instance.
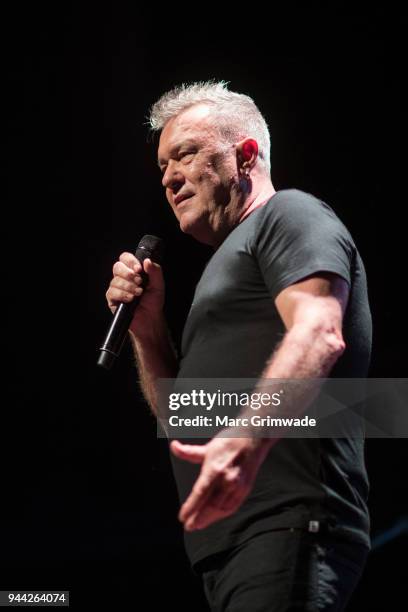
(247, 154)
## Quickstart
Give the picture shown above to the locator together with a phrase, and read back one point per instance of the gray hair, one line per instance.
(237, 115)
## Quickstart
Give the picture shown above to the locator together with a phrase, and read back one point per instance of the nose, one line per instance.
(172, 178)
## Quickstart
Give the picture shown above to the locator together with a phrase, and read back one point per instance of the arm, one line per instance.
(153, 349)
(312, 311)
(155, 358)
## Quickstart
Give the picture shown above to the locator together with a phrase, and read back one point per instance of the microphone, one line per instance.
(150, 247)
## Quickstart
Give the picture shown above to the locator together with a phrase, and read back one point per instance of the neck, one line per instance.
(264, 193)
(232, 215)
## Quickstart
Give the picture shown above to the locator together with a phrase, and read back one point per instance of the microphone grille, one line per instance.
(150, 247)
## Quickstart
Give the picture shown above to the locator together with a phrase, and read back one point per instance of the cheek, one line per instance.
(217, 186)
(169, 197)
(209, 179)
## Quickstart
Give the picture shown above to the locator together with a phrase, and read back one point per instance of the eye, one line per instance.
(186, 156)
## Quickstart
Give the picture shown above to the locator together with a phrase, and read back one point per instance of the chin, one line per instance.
(194, 227)
(188, 221)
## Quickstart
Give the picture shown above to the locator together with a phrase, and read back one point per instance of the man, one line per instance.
(270, 524)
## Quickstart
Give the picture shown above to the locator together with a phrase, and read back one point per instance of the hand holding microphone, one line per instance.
(135, 296)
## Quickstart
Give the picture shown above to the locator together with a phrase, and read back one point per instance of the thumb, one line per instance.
(155, 274)
(195, 453)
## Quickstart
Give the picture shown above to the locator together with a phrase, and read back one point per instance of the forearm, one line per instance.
(155, 358)
(305, 353)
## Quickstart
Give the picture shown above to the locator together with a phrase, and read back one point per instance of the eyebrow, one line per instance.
(176, 147)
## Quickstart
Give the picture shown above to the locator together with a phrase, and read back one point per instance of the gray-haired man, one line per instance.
(270, 524)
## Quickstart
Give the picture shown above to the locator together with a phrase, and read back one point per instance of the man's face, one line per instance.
(199, 175)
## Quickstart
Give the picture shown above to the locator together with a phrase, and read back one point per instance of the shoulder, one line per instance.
(296, 211)
(295, 201)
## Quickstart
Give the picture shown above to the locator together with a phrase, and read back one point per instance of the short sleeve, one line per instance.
(299, 236)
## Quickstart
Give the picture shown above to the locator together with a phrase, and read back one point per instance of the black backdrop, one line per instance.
(88, 501)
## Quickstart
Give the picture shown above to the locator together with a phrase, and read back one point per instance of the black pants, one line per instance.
(284, 571)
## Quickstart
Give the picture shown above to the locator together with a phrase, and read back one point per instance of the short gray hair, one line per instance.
(237, 115)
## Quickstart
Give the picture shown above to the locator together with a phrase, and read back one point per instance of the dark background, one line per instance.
(88, 502)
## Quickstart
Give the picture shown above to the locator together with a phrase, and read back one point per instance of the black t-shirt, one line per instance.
(231, 331)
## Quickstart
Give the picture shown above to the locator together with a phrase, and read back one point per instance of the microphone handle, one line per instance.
(122, 319)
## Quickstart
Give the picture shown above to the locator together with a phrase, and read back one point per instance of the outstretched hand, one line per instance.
(228, 470)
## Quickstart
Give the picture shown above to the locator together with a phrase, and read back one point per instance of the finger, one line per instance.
(207, 515)
(209, 511)
(130, 260)
(151, 266)
(221, 503)
(155, 274)
(197, 498)
(116, 296)
(123, 271)
(230, 501)
(225, 501)
(216, 510)
(128, 286)
(190, 452)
